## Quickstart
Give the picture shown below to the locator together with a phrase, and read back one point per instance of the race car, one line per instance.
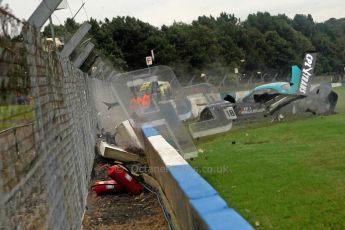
(275, 101)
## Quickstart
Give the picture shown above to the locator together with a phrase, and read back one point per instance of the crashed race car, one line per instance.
(203, 110)
(275, 101)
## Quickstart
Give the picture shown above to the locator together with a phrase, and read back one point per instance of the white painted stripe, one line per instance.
(334, 85)
(168, 154)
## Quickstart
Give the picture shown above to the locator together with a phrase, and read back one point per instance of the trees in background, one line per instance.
(262, 42)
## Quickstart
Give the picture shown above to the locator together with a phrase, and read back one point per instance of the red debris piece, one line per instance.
(107, 187)
(125, 179)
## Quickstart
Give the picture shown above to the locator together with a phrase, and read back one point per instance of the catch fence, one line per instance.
(48, 125)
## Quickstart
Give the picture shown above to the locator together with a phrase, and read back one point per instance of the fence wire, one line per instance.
(48, 120)
(47, 132)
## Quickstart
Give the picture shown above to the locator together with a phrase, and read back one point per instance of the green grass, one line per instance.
(283, 176)
(14, 115)
(341, 99)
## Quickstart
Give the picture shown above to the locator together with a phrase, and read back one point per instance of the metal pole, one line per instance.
(78, 11)
(43, 12)
(75, 40)
(52, 30)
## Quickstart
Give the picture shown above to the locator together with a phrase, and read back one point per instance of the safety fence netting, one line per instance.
(241, 81)
(50, 112)
(47, 129)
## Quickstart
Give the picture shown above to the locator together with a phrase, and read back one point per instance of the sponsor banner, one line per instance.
(306, 74)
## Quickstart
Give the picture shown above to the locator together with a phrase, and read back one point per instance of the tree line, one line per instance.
(263, 42)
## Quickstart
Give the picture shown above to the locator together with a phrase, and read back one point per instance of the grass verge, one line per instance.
(14, 115)
(284, 176)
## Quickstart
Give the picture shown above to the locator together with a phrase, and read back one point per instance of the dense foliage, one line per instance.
(262, 42)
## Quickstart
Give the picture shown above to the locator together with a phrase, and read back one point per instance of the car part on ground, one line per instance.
(116, 172)
(117, 153)
(107, 187)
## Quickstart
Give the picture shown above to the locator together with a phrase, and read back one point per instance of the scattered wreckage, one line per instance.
(126, 168)
(155, 97)
(122, 180)
(275, 100)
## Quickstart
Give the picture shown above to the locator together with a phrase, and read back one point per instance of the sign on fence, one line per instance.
(148, 60)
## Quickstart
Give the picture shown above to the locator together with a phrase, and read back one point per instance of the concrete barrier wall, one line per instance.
(196, 204)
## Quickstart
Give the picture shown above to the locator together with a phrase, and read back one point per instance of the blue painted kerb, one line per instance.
(209, 207)
(149, 131)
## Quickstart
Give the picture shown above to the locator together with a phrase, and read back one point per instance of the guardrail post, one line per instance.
(84, 54)
(75, 40)
(43, 12)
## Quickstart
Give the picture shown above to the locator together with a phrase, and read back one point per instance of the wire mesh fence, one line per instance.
(48, 119)
(245, 81)
(47, 131)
